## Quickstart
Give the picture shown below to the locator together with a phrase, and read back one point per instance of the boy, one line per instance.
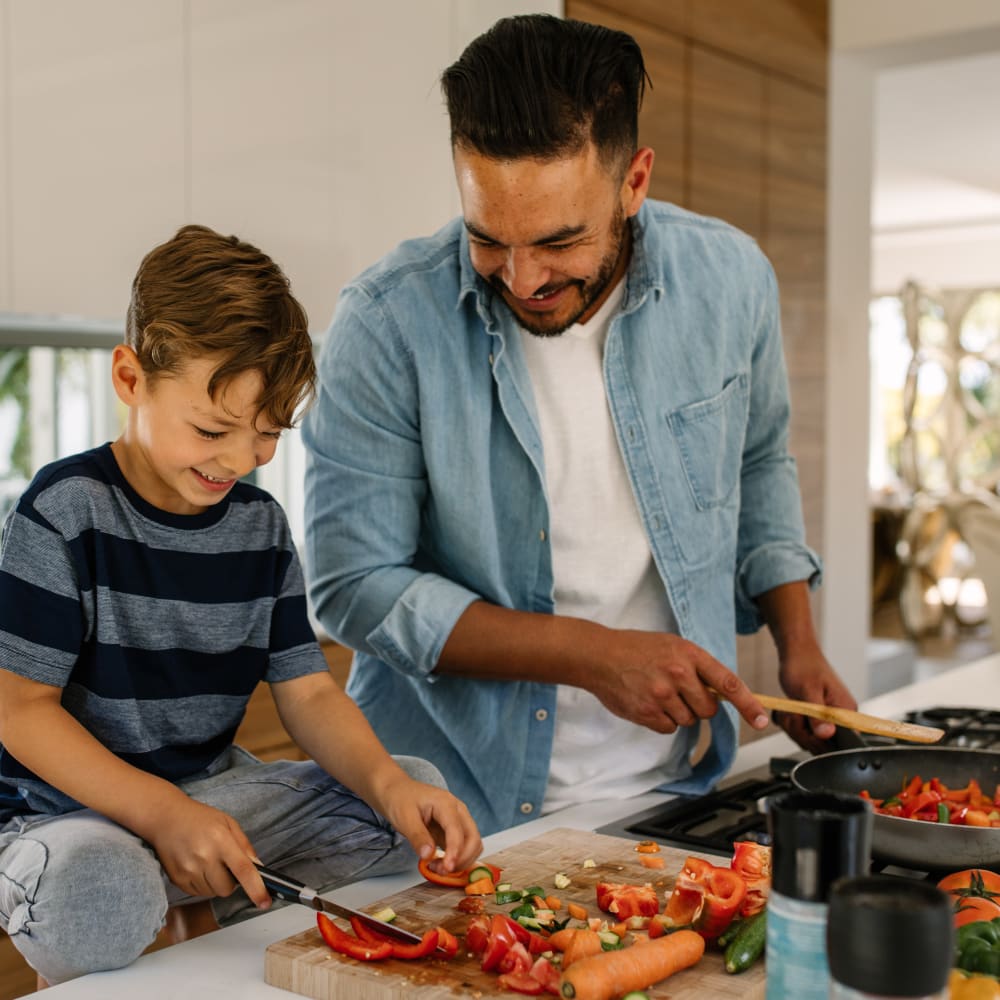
(144, 592)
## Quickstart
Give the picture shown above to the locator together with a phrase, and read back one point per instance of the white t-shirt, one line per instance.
(601, 560)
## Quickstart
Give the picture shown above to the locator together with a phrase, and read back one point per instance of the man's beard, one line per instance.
(590, 291)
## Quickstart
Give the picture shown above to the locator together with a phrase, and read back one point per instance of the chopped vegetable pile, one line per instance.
(933, 802)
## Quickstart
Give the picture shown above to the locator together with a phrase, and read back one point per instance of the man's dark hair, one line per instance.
(540, 86)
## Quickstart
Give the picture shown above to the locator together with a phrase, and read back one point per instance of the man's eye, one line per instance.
(211, 435)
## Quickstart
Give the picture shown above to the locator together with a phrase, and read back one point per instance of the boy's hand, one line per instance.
(429, 816)
(205, 853)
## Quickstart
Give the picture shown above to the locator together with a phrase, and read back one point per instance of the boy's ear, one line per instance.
(127, 375)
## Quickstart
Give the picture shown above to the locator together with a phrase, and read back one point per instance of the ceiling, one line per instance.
(936, 173)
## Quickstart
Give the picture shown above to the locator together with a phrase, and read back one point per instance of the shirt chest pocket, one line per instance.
(709, 434)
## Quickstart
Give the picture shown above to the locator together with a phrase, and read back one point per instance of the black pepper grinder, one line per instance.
(876, 919)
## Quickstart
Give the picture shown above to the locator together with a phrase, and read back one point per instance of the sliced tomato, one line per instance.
(501, 939)
(625, 900)
(722, 891)
(521, 982)
(753, 863)
(347, 944)
(547, 974)
(538, 944)
(477, 934)
(517, 959)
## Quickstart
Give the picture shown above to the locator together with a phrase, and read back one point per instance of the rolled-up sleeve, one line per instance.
(365, 487)
(772, 548)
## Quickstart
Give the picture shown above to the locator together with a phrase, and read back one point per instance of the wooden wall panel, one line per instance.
(661, 121)
(727, 140)
(785, 36)
(663, 15)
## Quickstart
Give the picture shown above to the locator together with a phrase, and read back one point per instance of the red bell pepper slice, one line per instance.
(627, 901)
(447, 946)
(456, 880)
(722, 892)
(419, 949)
(348, 944)
(752, 861)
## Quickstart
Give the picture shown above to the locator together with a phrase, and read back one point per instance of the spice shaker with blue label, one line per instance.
(816, 839)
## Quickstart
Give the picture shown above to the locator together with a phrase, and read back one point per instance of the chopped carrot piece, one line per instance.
(652, 862)
(553, 902)
(481, 887)
(576, 911)
(648, 847)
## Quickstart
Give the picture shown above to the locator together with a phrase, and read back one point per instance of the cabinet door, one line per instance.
(727, 140)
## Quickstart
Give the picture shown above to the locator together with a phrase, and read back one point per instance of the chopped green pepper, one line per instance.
(977, 947)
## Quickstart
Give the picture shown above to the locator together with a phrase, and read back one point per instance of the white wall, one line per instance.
(867, 37)
(313, 128)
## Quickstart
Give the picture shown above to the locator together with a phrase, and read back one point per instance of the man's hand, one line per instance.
(662, 681)
(807, 675)
(430, 817)
(205, 853)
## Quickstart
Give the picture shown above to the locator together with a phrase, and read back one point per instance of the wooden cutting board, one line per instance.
(303, 964)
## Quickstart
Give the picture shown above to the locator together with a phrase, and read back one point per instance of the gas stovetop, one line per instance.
(710, 823)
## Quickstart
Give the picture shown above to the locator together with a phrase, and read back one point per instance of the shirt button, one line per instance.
(541, 535)
(541, 714)
(527, 807)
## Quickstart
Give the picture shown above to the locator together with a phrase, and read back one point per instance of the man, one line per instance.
(548, 477)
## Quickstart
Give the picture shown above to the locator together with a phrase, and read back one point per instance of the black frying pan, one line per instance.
(883, 771)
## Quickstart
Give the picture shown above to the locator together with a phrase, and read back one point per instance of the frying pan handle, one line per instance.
(281, 886)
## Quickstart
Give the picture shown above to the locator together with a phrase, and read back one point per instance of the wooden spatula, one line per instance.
(852, 720)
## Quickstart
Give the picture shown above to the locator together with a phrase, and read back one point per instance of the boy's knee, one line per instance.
(87, 906)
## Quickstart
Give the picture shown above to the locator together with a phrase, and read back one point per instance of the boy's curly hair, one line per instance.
(201, 293)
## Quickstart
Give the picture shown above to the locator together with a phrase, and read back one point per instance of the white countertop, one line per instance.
(229, 964)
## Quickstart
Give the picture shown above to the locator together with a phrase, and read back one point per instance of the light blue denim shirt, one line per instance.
(425, 485)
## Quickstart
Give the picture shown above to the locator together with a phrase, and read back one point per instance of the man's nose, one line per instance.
(523, 273)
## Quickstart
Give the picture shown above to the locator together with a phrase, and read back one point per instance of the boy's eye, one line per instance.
(211, 435)
(273, 435)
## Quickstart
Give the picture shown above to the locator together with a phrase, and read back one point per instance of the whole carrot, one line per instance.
(583, 944)
(615, 973)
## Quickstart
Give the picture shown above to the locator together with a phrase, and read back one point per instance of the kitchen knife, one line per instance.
(291, 890)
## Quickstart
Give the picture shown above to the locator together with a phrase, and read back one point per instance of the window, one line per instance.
(56, 399)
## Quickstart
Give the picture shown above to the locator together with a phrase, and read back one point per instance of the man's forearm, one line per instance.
(787, 611)
(494, 643)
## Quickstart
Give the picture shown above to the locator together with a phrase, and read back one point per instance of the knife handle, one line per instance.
(282, 886)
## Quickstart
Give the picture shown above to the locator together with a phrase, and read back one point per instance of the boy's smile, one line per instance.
(181, 450)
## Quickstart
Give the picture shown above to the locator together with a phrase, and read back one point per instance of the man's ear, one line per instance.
(127, 375)
(635, 186)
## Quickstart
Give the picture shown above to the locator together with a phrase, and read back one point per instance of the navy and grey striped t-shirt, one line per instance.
(157, 626)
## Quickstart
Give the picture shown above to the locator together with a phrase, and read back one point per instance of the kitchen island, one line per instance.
(229, 964)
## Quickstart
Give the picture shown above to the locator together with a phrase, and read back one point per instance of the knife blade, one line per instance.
(291, 890)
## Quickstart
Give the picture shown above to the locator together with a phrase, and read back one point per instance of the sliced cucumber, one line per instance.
(480, 872)
(610, 941)
(387, 914)
(507, 896)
